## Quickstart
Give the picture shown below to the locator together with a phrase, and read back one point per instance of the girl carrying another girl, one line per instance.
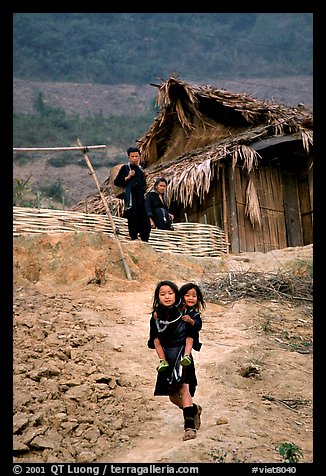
(168, 336)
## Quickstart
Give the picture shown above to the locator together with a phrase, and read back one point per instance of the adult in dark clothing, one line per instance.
(132, 178)
(168, 337)
(157, 208)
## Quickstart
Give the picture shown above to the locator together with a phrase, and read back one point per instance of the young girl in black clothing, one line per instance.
(168, 337)
(193, 303)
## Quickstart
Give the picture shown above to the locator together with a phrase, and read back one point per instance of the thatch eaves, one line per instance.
(192, 173)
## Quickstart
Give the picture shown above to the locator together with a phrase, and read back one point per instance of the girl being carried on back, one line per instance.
(192, 305)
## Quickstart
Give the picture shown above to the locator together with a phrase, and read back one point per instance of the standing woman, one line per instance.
(168, 337)
(157, 208)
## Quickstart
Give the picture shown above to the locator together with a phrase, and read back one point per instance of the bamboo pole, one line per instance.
(88, 162)
(44, 149)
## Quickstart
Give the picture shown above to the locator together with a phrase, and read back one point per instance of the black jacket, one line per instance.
(158, 211)
(168, 327)
(135, 188)
(193, 330)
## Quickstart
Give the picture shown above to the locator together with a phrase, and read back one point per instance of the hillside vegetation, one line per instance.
(138, 48)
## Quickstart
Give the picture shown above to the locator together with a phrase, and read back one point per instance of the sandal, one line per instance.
(186, 360)
(190, 434)
(162, 365)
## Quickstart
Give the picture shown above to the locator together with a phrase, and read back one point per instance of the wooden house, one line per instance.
(233, 161)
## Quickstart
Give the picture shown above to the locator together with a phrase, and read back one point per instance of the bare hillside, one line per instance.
(85, 98)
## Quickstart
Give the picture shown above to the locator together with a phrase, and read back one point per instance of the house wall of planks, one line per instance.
(284, 188)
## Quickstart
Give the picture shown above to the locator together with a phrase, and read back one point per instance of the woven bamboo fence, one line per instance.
(194, 239)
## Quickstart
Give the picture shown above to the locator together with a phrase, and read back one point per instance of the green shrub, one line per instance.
(289, 452)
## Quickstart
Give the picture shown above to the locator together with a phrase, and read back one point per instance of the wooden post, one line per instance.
(225, 210)
(88, 162)
(214, 208)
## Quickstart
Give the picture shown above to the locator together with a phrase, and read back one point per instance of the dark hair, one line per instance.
(186, 287)
(132, 149)
(173, 286)
(160, 179)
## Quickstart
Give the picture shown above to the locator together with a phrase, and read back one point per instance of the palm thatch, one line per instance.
(199, 126)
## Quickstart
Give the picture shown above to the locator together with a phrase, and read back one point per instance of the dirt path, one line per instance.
(232, 339)
(84, 377)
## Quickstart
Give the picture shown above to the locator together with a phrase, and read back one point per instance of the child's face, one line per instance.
(190, 298)
(166, 296)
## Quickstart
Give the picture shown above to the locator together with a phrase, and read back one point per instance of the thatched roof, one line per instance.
(217, 113)
(198, 126)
